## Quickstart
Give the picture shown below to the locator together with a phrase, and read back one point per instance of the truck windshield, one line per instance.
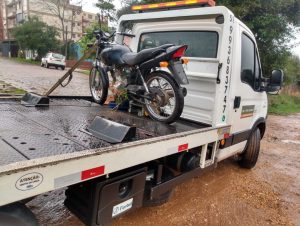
(201, 44)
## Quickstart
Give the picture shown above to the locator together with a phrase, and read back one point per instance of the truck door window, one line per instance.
(250, 68)
(202, 44)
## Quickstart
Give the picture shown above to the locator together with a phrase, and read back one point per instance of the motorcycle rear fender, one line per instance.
(164, 56)
(179, 73)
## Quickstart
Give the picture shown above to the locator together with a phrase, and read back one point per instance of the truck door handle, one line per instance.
(237, 102)
(219, 71)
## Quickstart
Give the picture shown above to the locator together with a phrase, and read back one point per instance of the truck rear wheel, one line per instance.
(250, 155)
(17, 214)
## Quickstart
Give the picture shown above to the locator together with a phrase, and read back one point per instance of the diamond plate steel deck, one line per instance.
(31, 133)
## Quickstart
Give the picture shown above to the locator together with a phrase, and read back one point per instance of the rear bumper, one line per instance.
(56, 63)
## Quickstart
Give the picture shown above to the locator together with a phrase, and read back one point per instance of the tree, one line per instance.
(89, 36)
(65, 12)
(107, 10)
(292, 70)
(36, 35)
(273, 22)
(126, 7)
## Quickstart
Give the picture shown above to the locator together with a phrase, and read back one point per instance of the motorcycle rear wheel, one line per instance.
(168, 113)
(99, 85)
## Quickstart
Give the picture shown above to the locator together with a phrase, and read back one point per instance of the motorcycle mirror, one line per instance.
(106, 34)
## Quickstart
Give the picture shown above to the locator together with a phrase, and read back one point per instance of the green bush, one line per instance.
(284, 104)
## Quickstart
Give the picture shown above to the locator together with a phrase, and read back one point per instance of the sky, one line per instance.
(88, 5)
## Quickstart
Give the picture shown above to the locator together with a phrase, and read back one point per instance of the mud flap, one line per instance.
(178, 72)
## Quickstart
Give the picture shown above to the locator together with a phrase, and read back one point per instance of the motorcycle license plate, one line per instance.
(179, 70)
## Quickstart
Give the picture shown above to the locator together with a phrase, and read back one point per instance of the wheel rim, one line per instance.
(96, 85)
(154, 108)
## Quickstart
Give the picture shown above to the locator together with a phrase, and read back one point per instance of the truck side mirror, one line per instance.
(275, 82)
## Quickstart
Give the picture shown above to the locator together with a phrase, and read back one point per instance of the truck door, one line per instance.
(250, 101)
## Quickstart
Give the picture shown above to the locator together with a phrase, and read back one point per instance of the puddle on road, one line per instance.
(291, 141)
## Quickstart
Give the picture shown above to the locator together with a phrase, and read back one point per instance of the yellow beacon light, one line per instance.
(173, 4)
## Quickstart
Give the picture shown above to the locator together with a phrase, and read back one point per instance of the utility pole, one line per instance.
(7, 33)
(66, 43)
(1, 22)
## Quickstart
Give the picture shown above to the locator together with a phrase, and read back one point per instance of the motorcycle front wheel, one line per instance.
(99, 85)
(168, 102)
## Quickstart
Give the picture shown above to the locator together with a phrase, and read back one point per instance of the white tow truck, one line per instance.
(47, 148)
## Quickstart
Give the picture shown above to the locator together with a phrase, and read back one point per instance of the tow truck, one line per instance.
(141, 161)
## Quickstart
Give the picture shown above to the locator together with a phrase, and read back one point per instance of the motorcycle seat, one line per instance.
(132, 59)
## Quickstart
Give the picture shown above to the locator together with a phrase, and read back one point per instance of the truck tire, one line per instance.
(250, 155)
(17, 214)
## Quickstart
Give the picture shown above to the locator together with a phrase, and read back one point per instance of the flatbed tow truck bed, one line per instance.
(31, 133)
(52, 144)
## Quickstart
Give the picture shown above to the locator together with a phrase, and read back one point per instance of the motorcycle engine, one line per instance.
(120, 77)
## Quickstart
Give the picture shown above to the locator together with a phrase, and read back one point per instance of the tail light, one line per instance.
(179, 53)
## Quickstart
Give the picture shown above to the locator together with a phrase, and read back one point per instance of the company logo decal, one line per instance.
(29, 181)
(247, 111)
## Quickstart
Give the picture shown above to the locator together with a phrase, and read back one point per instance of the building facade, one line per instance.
(69, 19)
(1, 23)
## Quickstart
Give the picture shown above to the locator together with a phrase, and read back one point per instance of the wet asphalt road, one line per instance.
(34, 78)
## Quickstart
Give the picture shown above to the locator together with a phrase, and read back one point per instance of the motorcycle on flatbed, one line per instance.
(142, 79)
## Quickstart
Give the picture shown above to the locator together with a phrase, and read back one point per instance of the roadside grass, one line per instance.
(24, 61)
(86, 72)
(284, 104)
(8, 89)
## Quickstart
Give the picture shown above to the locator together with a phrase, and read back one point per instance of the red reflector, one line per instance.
(179, 53)
(226, 135)
(87, 174)
(183, 147)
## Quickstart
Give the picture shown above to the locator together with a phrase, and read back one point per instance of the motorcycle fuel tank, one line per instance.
(113, 55)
